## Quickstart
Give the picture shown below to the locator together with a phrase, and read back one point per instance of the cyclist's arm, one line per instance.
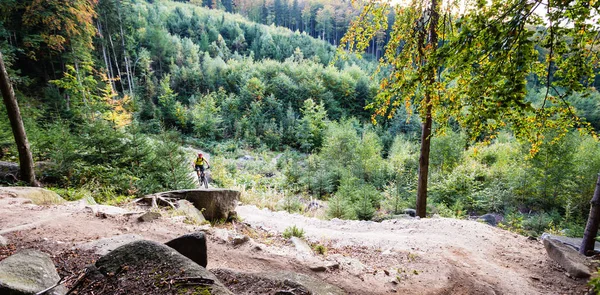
(207, 163)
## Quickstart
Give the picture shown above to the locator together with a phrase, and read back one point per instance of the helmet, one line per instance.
(199, 155)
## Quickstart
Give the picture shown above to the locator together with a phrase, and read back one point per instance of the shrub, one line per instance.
(293, 231)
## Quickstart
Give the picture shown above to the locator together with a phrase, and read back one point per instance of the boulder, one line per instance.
(488, 218)
(301, 246)
(575, 243)
(192, 246)
(37, 195)
(105, 210)
(573, 262)
(106, 245)
(239, 239)
(246, 158)
(28, 272)
(192, 213)
(158, 261)
(410, 212)
(9, 171)
(3, 241)
(266, 282)
(352, 265)
(215, 204)
(149, 216)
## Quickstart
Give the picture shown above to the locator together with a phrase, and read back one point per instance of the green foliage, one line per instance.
(320, 249)
(293, 231)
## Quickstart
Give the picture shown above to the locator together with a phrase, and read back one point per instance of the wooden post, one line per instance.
(591, 229)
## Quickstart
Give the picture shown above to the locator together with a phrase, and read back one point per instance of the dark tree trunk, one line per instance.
(27, 173)
(424, 162)
(426, 126)
(591, 229)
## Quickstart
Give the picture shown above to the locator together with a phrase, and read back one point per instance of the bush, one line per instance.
(293, 231)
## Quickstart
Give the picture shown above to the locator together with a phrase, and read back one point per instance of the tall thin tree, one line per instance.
(27, 172)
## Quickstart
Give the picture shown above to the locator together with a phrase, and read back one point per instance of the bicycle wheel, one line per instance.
(205, 182)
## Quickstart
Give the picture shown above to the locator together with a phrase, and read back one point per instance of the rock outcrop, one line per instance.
(192, 246)
(166, 269)
(37, 195)
(215, 204)
(28, 272)
(573, 262)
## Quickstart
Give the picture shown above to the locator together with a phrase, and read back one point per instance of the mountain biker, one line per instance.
(199, 164)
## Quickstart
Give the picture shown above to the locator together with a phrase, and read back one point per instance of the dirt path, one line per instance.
(445, 256)
(432, 256)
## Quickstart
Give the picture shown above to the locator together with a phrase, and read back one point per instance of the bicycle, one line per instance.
(202, 177)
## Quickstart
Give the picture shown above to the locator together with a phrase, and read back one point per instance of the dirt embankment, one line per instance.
(409, 256)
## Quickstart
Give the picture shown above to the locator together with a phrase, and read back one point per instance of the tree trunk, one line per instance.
(591, 229)
(108, 67)
(426, 126)
(27, 172)
(424, 161)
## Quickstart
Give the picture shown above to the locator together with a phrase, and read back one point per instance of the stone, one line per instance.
(149, 216)
(303, 284)
(192, 246)
(324, 266)
(215, 204)
(488, 218)
(105, 210)
(37, 195)
(410, 212)
(155, 257)
(574, 243)
(9, 171)
(239, 239)
(106, 245)
(187, 208)
(353, 266)
(3, 241)
(28, 272)
(301, 246)
(574, 263)
(246, 158)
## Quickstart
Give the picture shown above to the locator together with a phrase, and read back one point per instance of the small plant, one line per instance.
(293, 231)
(320, 249)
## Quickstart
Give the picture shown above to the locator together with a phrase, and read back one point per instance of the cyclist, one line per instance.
(199, 164)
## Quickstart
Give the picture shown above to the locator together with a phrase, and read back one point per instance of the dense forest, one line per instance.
(112, 91)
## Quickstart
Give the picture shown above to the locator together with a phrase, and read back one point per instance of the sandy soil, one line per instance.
(410, 256)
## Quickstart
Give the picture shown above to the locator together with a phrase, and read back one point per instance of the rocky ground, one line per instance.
(405, 256)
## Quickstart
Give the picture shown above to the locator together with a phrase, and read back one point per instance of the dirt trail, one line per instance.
(430, 256)
(441, 255)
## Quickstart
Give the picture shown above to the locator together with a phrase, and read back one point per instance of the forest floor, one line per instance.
(405, 256)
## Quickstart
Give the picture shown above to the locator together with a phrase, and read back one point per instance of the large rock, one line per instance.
(28, 272)
(106, 245)
(186, 208)
(148, 257)
(573, 262)
(214, 203)
(192, 246)
(488, 218)
(575, 243)
(3, 241)
(266, 282)
(9, 172)
(37, 195)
